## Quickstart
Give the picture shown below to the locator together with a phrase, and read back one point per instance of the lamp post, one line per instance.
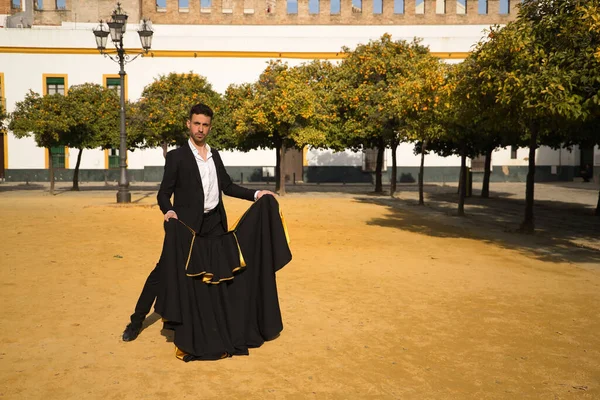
(116, 29)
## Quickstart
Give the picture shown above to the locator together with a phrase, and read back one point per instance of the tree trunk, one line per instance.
(379, 167)
(51, 170)
(462, 184)
(164, 149)
(528, 226)
(421, 173)
(76, 172)
(598, 205)
(485, 188)
(394, 172)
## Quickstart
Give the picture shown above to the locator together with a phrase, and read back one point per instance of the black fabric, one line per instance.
(210, 319)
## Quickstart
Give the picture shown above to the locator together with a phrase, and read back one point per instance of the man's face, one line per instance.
(199, 127)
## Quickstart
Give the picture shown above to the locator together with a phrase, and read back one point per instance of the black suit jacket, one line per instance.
(182, 179)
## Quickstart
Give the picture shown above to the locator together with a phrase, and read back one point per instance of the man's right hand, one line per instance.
(170, 214)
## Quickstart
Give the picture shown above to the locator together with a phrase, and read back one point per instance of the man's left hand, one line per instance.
(261, 193)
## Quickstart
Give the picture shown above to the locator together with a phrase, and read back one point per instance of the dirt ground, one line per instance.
(377, 303)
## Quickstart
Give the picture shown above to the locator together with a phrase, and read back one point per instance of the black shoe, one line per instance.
(131, 332)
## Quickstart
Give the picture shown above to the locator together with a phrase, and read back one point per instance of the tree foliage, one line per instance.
(159, 117)
(282, 110)
(385, 90)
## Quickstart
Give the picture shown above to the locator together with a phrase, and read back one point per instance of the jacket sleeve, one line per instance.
(167, 185)
(227, 186)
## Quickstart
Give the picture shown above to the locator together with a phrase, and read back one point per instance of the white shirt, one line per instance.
(208, 175)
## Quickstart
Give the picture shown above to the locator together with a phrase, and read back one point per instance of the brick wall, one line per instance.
(271, 12)
(274, 12)
(84, 11)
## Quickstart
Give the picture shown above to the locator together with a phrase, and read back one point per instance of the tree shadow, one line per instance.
(565, 232)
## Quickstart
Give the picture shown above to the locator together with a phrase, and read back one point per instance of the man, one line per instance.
(196, 176)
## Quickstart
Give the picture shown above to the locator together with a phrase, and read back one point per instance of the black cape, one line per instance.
(219, 294)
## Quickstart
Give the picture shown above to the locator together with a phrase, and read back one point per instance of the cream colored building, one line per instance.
(48, 45)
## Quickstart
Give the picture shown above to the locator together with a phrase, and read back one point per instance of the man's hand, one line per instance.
(261, 193)
(170, 214)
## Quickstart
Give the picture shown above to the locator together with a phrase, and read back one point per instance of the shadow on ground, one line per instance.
(564, 231)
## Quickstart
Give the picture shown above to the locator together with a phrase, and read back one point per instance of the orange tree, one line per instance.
(159, 117)
(570, 33)
(94, 120)
(282, 110)
(43, 117)
(543, 67)
(383, 89)
(415, 99)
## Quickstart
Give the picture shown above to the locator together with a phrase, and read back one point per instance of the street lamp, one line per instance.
(116, 28)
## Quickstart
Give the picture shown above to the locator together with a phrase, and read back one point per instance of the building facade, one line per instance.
(48, 45)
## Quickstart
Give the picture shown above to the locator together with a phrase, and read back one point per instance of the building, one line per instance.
(47, 45)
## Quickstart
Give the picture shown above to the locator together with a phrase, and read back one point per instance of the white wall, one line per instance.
(23, 72)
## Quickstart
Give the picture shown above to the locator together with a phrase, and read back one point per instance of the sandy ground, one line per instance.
(377, 303)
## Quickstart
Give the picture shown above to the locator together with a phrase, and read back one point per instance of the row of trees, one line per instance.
(533, 82)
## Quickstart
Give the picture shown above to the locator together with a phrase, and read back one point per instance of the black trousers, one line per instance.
(211, 226)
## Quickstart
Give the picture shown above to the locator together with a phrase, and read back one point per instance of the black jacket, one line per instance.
(181, 178)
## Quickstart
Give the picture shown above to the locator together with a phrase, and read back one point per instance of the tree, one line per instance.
(94, 120)
(279, 111)
(159, 117)
(569, 30)
(528, 78)
(418, 97)
(43, 117)
(385, 90)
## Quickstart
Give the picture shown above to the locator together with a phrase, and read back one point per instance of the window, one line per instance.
(504, 6)
(377, 6)
(440, 7)
(335, 6)
(55, 85)
(398, 6)
(482, 7)
(184, 5)
(61, 4)
(357, 6)
(313, 6)
(58, 156)
(420, 7)
(513, 152)
(292, 6)
(114, 84)
(113, 158)
(161, 5)
(38, 4)
(461, 6)
(16, 4)
(207, 4)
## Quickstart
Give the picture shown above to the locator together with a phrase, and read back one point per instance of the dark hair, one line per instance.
(201, 108)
